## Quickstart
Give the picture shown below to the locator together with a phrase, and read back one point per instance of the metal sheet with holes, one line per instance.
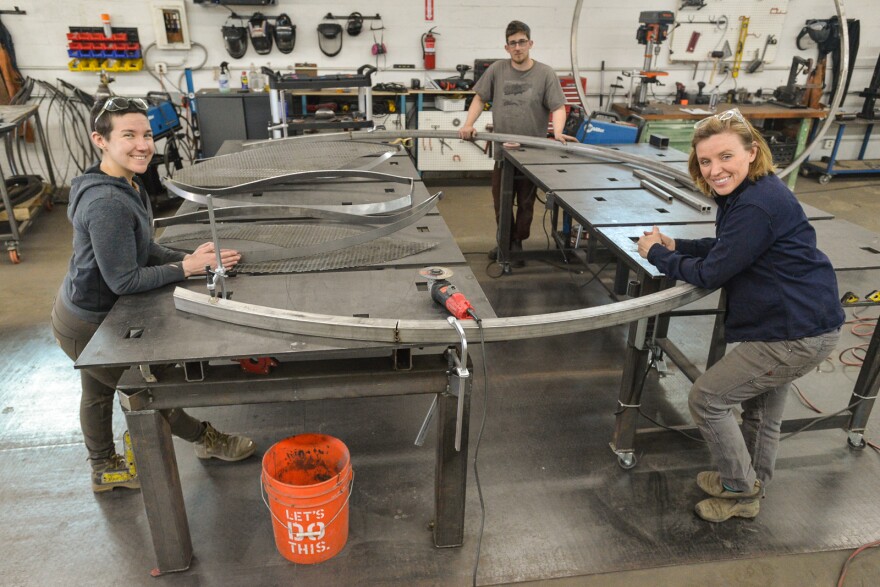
(571, 176)
(426, 242)
(848, 245)
(640, 207)
(539, 156)
(171, 336)
(629, 207)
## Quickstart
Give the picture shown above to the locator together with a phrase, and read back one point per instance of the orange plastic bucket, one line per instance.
(308, 480)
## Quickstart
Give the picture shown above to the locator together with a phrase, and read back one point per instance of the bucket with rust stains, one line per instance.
(308, 479)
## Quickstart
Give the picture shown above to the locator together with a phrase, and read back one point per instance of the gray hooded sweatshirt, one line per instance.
(113, 249)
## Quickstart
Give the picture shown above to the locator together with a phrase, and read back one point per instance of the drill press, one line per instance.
(653, 29)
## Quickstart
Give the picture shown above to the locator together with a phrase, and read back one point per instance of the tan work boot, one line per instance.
(113, 472)
(710, 483)
(226, 447)
(716, 509)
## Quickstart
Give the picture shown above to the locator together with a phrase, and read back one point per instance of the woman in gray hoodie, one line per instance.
(114, 254)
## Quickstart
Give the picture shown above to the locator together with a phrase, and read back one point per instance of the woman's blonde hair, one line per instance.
(761, 166)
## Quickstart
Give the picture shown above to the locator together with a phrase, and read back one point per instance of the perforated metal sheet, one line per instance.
(280, 158)
(251, 237)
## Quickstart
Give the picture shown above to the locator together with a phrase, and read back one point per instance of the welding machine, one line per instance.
(163, 118)
(611, 131)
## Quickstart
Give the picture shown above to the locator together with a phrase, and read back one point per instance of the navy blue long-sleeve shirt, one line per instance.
(779, 285)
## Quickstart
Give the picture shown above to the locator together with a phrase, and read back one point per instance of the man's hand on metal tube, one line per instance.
(204, 255)
(563, 138)
(467, 133)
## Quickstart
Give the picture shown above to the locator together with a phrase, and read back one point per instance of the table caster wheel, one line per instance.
(803, 172)
(825, 178)
(14, 257)
(626, 460)
(860, 446)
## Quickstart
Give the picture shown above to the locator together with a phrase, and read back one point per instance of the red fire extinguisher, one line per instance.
(429, 48)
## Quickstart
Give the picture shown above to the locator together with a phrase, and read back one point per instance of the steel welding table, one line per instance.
(609, 203)
(147, 334)
(13, 117)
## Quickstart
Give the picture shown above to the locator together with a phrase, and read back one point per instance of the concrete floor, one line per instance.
(43, 462)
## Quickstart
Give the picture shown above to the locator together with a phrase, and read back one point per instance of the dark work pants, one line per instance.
(99, 389)
(524, 195)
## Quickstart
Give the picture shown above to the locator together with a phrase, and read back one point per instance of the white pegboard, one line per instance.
(452, 154)
(766, 17)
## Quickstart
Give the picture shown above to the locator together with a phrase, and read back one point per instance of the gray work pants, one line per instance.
(757, 375)
(99, 389)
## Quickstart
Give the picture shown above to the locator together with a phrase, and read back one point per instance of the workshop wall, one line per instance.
(467, 30)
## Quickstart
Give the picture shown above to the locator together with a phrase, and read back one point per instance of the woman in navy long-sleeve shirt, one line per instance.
(782, 307)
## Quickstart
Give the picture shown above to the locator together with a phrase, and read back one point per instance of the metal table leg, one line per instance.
(635, 363)
(865, 389)
(160, 487)
(505, 215)
(450, 479)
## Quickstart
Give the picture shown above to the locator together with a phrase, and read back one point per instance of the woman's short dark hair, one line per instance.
(102, 120)
(515, 27)
(748, 136)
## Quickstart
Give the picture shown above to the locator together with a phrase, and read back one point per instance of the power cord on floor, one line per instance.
(849, 559)
(477, 448)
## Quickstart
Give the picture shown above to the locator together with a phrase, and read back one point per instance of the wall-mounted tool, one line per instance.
(740, 45)
(653, 30)
(758, 62)
(791, 95)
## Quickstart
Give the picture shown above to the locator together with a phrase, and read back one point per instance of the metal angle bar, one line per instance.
(405, 220)
(676, 193)
(397, 331)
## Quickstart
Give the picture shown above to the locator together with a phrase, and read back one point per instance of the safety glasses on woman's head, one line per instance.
(117, 103)
(726, 115)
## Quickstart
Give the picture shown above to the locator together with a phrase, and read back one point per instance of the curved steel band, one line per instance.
(416, 332)
(579, 149)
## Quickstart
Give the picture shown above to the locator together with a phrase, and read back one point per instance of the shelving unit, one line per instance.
(831, 165)
(279, 87)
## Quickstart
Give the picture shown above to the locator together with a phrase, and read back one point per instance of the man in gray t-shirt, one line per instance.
(524, 95)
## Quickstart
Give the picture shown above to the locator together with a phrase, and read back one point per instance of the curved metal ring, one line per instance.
(415, 332)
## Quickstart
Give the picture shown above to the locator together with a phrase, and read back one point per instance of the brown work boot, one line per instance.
(226, 447)
(710, 483)
(716, 509)
(113, 472)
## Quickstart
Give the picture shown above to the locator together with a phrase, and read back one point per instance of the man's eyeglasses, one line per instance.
(117, 103)
(520, 43)
(726, 115)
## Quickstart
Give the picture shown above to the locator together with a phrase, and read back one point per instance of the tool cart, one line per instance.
(12, 228)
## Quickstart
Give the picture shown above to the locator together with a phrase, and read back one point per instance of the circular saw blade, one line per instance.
(436, 272)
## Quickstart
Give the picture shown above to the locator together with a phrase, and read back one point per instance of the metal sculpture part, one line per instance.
(416, 332)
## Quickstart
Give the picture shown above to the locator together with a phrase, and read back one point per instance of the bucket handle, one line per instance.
(308, 534)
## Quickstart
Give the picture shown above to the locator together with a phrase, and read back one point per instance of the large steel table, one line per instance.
(177, 360)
